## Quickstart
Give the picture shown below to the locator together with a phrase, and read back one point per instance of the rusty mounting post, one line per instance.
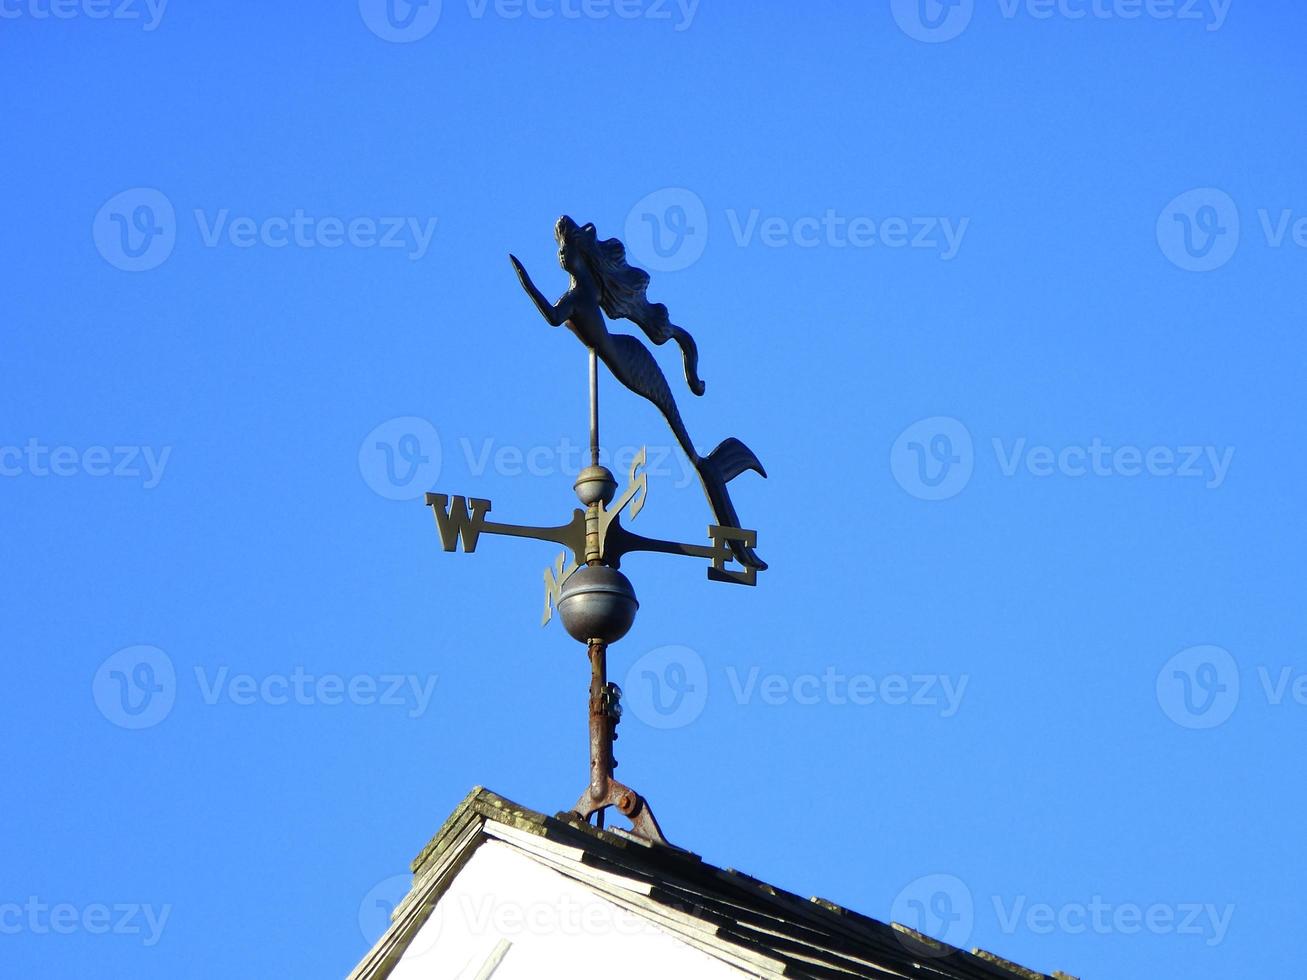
(603, 723)
(605, 791)
(605, 606)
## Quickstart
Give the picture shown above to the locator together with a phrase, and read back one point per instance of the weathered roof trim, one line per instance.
(732, 916)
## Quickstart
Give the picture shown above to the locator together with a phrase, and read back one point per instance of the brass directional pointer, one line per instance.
(464, 519)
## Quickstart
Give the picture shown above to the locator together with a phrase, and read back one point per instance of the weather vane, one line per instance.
(595, 601)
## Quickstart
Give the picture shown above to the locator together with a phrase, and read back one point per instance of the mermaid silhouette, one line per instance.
(603, 282)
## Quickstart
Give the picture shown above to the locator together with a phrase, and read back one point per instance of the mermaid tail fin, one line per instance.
(733, 457)
(718, 468)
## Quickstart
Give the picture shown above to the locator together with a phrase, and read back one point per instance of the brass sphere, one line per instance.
(598, 603)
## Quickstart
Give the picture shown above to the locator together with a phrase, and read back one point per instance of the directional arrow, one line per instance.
(463, 520)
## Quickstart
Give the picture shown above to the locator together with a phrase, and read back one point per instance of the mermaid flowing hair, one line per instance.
(622, 292)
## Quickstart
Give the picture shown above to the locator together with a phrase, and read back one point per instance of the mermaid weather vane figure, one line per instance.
(603, 282)
(595, 600)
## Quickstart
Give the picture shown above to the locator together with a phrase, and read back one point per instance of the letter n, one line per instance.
(554, 579)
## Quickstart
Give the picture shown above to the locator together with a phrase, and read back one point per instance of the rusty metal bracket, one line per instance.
(604, 791)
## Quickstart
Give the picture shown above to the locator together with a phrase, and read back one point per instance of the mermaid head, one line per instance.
(622, 289)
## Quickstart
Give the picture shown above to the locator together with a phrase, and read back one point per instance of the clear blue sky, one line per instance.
(1008, 300)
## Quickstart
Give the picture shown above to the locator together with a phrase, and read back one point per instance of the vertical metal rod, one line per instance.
(594, 408)
(601, 723)
(601, 735)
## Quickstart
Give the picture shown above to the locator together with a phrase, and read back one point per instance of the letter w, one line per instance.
(453, 520)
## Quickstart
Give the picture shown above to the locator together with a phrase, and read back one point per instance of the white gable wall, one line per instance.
(544, 925)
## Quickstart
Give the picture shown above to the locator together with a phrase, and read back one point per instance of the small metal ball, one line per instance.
(598, 603)
(595, 484)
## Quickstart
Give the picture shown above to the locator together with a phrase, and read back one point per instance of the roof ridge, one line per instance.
(823, 939)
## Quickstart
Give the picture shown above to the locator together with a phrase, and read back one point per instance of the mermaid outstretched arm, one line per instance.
(556, 313)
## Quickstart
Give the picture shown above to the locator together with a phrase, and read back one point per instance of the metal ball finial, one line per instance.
(595, 484)
(597, 603)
